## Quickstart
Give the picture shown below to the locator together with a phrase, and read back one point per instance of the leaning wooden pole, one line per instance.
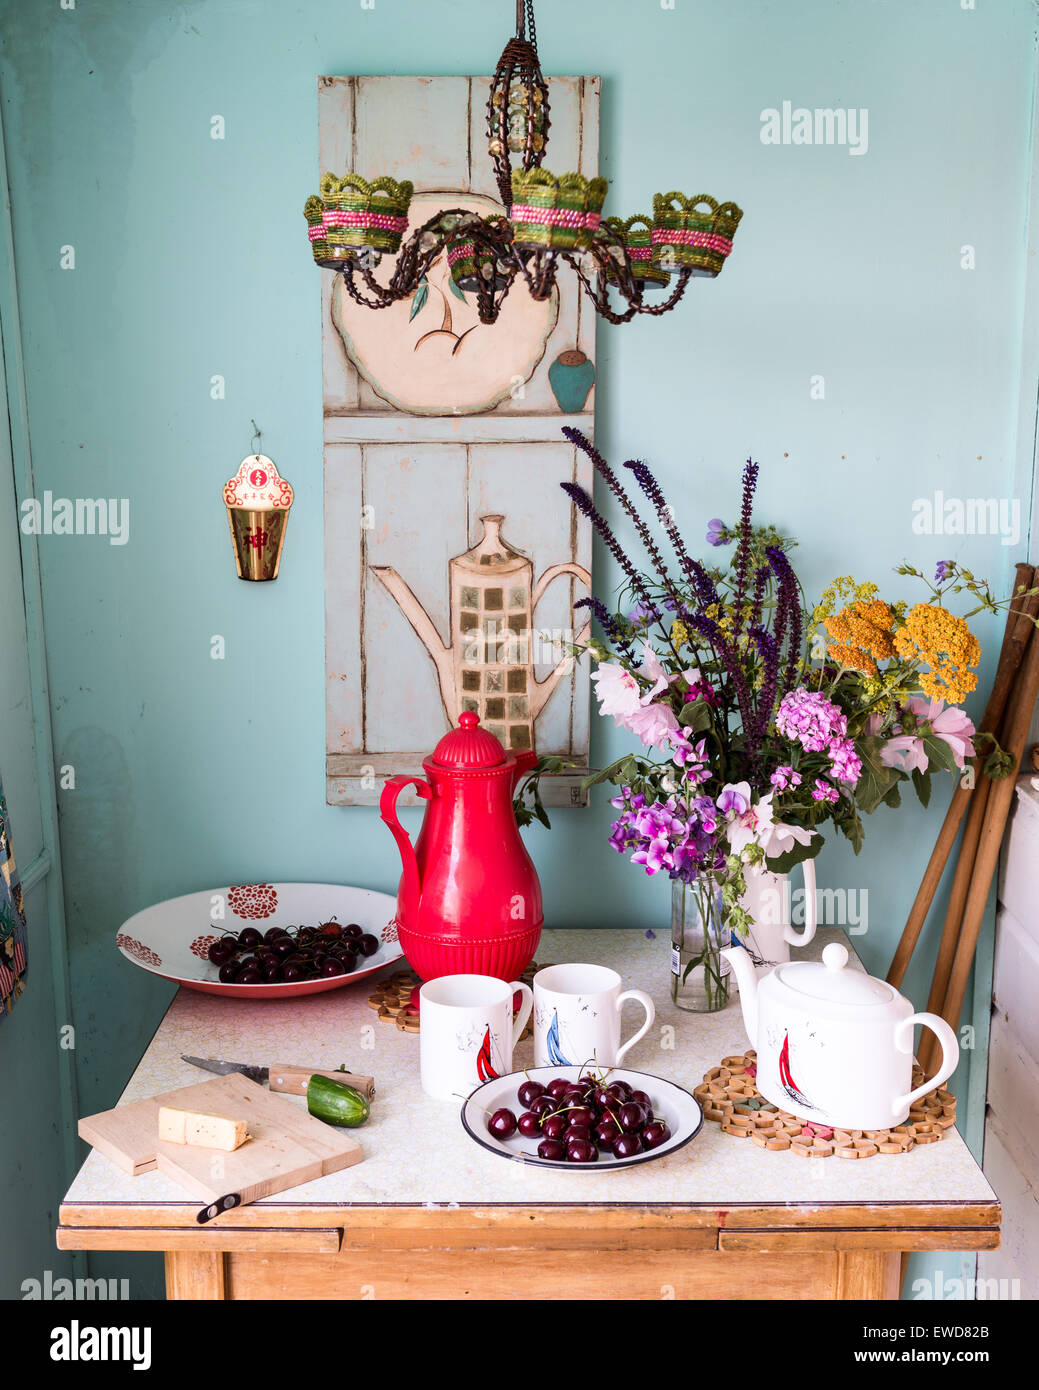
(971, 838)
(1000, 800)
(1015, 639)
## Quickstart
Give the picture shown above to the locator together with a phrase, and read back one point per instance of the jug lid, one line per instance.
(469, 746)
(829, 980)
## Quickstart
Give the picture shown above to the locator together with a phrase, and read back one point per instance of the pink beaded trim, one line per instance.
(662, 236)
(459, 252)
(317, 233)
(639, 253)
(378, 220)
(555, 217)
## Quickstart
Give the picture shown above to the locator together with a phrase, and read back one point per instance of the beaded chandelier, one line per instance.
(547, 219)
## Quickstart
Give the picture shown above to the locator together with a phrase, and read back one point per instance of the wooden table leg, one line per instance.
(872, 1274)
(196, 1275)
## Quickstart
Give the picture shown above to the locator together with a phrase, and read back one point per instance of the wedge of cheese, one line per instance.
(205, 1131)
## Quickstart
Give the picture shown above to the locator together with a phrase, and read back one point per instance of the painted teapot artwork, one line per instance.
(835, 1045)
(488, 669)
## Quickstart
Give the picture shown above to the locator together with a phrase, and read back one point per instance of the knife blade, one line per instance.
(284, 1076)
(257, 1074)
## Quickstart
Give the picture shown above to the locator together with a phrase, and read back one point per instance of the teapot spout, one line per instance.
(426, 632)
(739, 958)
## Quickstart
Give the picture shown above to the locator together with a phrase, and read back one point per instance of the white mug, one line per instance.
(577, 1016)
(468, 1032)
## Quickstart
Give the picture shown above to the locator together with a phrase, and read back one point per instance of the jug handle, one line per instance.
(388, 811)
(791, 934)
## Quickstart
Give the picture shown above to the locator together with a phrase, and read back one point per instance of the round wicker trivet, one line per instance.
(730, 1097)
(392, 999)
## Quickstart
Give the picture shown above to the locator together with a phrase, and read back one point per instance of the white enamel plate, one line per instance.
(172, 939)
(676, 1107)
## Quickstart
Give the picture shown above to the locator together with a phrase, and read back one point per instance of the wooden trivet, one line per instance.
(392, 999)
(730, 1097)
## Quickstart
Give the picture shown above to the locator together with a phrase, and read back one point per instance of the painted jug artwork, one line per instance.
(443, 435)
(488, 666)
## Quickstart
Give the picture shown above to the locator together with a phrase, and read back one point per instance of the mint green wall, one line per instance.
(191, 260)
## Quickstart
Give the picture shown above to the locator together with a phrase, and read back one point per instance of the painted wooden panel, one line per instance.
(443, 435)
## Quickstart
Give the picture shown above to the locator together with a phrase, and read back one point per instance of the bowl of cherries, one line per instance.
(581, 1117)
(267, 941)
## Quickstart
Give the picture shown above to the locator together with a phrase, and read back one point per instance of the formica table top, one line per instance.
(417, 1153)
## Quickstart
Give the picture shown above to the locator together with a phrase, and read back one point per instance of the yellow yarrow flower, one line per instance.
(945, 643)
(679, 633)
(862, 633)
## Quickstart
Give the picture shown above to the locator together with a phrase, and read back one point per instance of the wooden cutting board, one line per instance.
(287, 1146)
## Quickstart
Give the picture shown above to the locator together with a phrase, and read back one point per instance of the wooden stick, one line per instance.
(1015, 639)
(1001, 798)
(969, 846)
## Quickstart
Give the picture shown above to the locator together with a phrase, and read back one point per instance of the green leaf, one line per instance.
(696, 716)
(455, 289)
(922, 785)
(893, 797)
(876, 780)
(939, 754)
(418, 302)
(605, 774)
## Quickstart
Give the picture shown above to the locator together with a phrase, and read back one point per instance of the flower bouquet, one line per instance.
(763, 720)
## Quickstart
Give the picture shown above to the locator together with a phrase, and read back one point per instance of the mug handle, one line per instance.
(790, 934)
(950, 1053)
(651, 1013)
(523, 1013)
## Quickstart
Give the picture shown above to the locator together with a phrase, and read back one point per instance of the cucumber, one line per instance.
(336, 1103)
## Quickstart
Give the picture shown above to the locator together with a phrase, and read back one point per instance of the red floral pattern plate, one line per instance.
(172, 939)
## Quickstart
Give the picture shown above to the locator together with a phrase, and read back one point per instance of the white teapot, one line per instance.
(835, 1046)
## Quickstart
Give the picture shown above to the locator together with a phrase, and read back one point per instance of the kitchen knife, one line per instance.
(283, 1076)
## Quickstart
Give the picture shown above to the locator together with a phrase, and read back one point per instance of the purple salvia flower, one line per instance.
(750, 478)
(584, 504)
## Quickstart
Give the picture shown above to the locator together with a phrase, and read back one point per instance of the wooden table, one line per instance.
(429, 1214)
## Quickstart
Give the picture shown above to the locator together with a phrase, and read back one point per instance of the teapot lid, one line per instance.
(830, 980)
(468, 746)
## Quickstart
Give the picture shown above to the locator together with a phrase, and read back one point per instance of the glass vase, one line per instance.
(699, 973)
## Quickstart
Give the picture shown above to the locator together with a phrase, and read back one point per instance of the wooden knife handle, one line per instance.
(285, 1077)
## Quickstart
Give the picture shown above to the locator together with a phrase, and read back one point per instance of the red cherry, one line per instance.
(529, 1092)
(552, 1148)
(528, 1125)
(627, 1146)
(502, 1124)
(655, 1134)
(582, 1151)
(631, 1117)
(555, 1126)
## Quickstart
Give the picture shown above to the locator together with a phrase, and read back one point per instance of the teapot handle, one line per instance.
(543, 688)
(791, 934)
(388, 811)
(950, 1053)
